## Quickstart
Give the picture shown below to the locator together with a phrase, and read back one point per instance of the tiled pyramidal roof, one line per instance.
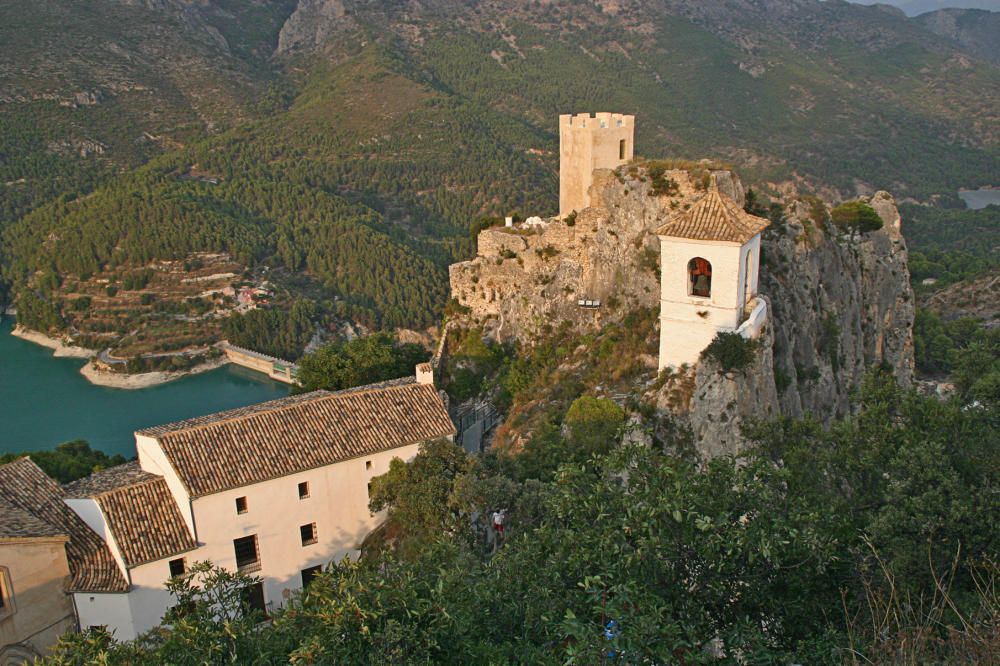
(25, 486)
(142, 514)
(715, 217)
(246, 446)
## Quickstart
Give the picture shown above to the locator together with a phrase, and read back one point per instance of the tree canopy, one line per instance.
(69, 461)
(363, 360)
(872, 539)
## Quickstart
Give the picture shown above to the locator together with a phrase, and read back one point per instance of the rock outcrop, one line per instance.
(534, 275)
(309, 26)
(840, 302)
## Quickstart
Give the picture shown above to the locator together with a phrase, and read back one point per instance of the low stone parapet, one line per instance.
(754, 324)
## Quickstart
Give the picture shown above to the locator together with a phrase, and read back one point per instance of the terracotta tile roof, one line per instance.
(239, 412)
(24, 485)
(109, 479)
(714, 217)
(145, 521)
(281, 437)
(19, 524)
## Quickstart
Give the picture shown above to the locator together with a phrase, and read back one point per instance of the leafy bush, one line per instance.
(660, 185)
(366, 360)
(594, 424)
(731, 351)
(856, 216)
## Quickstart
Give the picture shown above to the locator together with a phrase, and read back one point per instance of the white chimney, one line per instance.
(425, 374)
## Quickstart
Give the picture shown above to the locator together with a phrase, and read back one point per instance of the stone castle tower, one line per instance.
(604, 141)
(709, 265)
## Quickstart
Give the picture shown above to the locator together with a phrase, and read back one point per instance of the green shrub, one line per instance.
(731, 351)
(594, 423)
(660, 184)
(856, 216)
(571, 219)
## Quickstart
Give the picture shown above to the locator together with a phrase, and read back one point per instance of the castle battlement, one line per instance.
(598, 121)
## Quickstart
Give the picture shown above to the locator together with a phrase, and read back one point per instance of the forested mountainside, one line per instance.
(350, 147)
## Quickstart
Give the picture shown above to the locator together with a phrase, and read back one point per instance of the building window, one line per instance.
(247, 554)
(253, 598)
(309, 574)
(6, 593)
(304, 490)
(177, 567)
(368, 464)
(241, 505)
(699, 278)
(369, 490)
(621, 149)
(308, 534)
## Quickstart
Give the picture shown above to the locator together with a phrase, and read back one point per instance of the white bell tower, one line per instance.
(709, 264)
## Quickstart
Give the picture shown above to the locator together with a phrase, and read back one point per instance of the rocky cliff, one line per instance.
(840, 302)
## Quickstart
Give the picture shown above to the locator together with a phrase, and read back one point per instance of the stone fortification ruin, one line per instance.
(824, 304)
(605, 141)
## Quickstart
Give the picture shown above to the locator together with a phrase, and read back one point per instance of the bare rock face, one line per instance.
(839, 302)
(310, 24)
(724, 401)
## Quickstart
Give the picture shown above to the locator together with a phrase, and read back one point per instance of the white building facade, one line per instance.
(709, 268)
(276, 490)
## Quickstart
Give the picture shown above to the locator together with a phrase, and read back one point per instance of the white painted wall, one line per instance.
(90, 511)
(337, 503)
(111, 610)
(689, 323)
(149, 599)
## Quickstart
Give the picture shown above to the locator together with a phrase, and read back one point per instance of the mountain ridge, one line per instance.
(409, 122)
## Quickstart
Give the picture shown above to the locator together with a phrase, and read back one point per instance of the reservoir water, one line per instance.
(976, 199)
(45, 400)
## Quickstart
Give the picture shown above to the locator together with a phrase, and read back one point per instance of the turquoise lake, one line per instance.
(45, 400)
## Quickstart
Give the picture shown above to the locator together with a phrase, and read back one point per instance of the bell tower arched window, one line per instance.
(699, 278)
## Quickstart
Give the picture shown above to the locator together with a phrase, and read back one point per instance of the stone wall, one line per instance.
(527, 278)
(585, 144)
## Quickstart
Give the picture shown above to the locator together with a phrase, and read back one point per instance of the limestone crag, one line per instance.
(533, 276)
(839, 304)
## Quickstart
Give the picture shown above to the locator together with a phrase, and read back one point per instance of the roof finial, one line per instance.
(713, 185)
